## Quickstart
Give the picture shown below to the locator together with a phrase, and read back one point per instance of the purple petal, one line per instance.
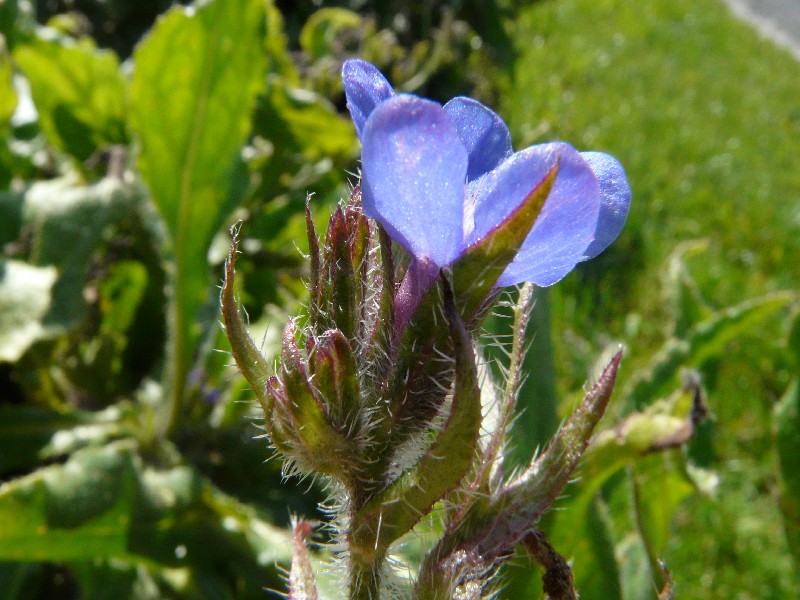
(568, 219)
(615, 200)
(365, 88)
(483, 133)
(413, 172)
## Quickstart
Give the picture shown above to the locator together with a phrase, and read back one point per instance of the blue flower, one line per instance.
(439, 178)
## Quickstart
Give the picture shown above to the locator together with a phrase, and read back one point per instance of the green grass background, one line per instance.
(705, 116)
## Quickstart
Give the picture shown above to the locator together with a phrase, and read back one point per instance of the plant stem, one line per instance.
(365, 577)
(176, 349)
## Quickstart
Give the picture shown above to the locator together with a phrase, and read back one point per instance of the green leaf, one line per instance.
(787, 427)
(682, 295)
(68, 225)
(29, 434)
(25, 294)
(107, 503)
(78, 91)
(319, 33)
(8, 95)
(704, 341)
(299, 138)
(632, 443)
(195, 80)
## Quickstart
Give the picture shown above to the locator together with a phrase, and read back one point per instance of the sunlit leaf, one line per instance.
(107, 503)
(320, 31)
(8, 96)
(705, 340)
(195, 80)
(25, 295)
(79, 92)
(68, 223)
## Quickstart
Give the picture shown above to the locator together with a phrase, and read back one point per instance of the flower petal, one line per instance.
(483, 133)
(413, 172)
(365, 87)
(615, 200)
(568, 219)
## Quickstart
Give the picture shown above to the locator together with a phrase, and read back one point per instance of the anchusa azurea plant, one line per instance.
(380, 388)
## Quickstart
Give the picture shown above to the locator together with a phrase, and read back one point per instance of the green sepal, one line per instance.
(335, 377)
(314, 281)
(248, 357)
(491, 527)
(359, 242)
(244, 350)
(379, 346)
(394, 511)
(421, 372)
(476, 273)
(339, 291)
(546, 477)
(322, 446)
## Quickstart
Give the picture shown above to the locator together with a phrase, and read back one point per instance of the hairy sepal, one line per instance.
(302, 584)
(395, 510)
(492, 527)
(335, 377)
(321, 446)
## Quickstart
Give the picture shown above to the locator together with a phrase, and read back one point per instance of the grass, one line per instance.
(705, 116)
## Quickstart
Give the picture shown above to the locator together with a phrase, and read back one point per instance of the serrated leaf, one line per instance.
(25, 296)
(79, 92)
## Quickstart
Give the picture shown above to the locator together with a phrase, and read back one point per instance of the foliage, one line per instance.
(133, 134)
(702, 112)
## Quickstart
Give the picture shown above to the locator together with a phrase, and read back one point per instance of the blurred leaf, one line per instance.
(113, 579)
(8, 95)
(704, 341)
(299, 138)
(681, 293)
(79, 92)
(787, 426)
(320, 31)
(276, 44)
(605, 578)
(660, 487)
(194, 85)
(29, 434)
(106, 503)
(10, 216)
(631, 443)
(120, 295)
(68, 225)
(25, 294)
